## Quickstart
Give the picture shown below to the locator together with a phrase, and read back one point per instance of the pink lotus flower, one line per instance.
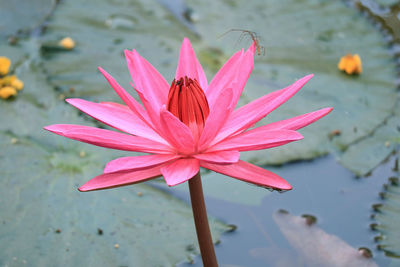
(187, 125)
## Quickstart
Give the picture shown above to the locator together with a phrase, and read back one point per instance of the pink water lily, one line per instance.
(187, 125)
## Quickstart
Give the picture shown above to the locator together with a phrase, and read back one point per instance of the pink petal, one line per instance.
(297, 122)
(116, 179)
(219, 156)
(118, 117)
(176, 132)
(108, 139)
(246, 116)
(218, 115)
(148, 81)
(127, 98)
(189, 66)
(116, 105)
(249, 173)
(151, 109)
(180, 171)
(234, 74)
(257, 139)
(224, 77)
(138, 162)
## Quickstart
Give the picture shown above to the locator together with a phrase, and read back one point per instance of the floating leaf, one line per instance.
(387, 217)
(372, 150)
(23, 16)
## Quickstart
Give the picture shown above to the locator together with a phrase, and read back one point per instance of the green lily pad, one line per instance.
(372, 150)
(23, 16)
(299, 37)
(387, 217)
(101, 38)
(44, 214)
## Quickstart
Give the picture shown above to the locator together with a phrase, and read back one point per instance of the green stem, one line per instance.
(201, 222)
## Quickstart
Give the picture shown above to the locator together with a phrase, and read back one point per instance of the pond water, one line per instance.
(341, 203)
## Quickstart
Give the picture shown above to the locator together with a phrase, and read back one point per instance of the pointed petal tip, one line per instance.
(127, 52)
(82, 189)
(174, 184)
(297, 136)
(54, 128)
(105, 73)
(87, 188)
(309, 76)
(47, 128)
(107, 168)
(71, 101)
(285, 186)
(252, 48)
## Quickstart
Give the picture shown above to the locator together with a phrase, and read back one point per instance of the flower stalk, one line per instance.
(201, 221)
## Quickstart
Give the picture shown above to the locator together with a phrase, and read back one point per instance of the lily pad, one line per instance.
(21, 16)
(101, 38)
(299, 37)
(387, 217)
(372, 150)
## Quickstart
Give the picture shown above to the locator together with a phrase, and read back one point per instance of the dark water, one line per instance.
(340, 201)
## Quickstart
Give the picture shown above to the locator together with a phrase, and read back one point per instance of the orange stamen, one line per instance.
(187, 101)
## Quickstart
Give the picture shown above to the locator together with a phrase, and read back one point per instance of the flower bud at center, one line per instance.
(187, 101)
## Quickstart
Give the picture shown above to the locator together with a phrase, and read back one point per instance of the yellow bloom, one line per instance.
(67, 43)
(17, 84)
(7, 80)
(351, 64)
(5, 64)
(7, 91)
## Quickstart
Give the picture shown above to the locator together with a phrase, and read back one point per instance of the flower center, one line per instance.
(187, 101)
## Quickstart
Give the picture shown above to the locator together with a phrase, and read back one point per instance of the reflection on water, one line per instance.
(322, 188)
(315, 247)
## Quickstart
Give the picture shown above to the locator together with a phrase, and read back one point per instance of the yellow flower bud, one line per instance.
(17, 84)
(7, 80)
(67, 43)
(351, 64)
(7, 91)
(5, 64)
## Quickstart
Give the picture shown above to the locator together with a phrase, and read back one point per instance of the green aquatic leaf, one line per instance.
(374, 149)
(387, 217)
(299, 37)
(101, 38)
(19, 16)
